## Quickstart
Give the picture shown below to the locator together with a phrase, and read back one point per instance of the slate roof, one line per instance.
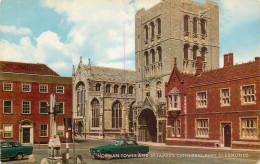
(112, 74)
(26, 68)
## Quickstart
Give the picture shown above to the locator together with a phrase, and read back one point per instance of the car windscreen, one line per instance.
(113, 142)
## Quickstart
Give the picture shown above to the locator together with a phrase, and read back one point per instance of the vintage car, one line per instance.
(119, 148)
(14, 150)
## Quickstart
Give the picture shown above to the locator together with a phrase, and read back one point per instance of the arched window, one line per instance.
(80, 98)
(130, 90)
(195, 25)
(158, 89)
(117, 115)
(203, 26)
(195, 51)
(146, 58)
(159, 25)
(152, 29)
(159, 50)
(186, 51)
(203, 53)
(95, 108)
(98, 85)
(108, 86)
(146, 31)
(186, 23)
(153, 55)
(123, 89)
(116, 88)
(147, 89)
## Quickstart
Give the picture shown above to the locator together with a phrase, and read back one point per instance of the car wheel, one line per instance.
(107, 156)
(19, 156)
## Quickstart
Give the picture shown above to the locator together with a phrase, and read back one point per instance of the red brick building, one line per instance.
(217, 108)
(25, 90)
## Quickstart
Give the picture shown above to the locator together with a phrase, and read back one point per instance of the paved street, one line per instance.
(158, 154)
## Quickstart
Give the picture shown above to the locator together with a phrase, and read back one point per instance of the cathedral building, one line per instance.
(172, 28)
(102, 99)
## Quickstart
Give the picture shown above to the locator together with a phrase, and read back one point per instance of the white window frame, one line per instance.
(175, 128)
(172, 102)
(40, 107)
(199, 128)
(43, 85)
(198, 99)
(29, 87)
(242, 94)
(7, 89)
(10, 132)
(256, 136)
(4, 107)
(59, 90)
(63, 104)
(178, 128)
(59, 131)
(40, 130)
(222, 97)
(29, 107)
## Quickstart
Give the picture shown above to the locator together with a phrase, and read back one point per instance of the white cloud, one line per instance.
(236, 12)
(99, 26)
(14, 30)
(146, 3)
(48, 49)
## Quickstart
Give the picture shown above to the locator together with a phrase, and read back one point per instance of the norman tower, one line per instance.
(173, 28)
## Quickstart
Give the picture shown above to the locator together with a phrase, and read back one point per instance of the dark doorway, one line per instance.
(148, 126)
(227, 135)
(26, 135)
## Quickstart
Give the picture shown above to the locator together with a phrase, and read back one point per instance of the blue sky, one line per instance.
(58, 32)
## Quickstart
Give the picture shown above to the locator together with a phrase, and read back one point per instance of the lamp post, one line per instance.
(54, 141)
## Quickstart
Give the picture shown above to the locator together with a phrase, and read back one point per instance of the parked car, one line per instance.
(119, 148)
(14, 150)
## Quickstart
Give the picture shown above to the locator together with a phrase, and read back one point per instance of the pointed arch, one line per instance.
(186, 23)
(195, 52)
(159, 26)
(117, 114)
(95, 111)
(186, 51)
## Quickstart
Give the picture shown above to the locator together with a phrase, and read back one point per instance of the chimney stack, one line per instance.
(225, 60)
(257, 59)
(199, 66)
(230, 58)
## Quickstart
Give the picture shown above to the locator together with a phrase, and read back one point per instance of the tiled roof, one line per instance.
(26, 68)
(228, 73)
(112, 74)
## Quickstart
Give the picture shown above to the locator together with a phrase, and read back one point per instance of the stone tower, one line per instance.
(173, 28)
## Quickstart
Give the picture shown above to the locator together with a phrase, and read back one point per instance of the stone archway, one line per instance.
(147, 126)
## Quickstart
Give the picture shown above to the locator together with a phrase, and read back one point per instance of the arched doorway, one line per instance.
(147, 126)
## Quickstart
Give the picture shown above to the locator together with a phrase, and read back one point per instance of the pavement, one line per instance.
(159, 154)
